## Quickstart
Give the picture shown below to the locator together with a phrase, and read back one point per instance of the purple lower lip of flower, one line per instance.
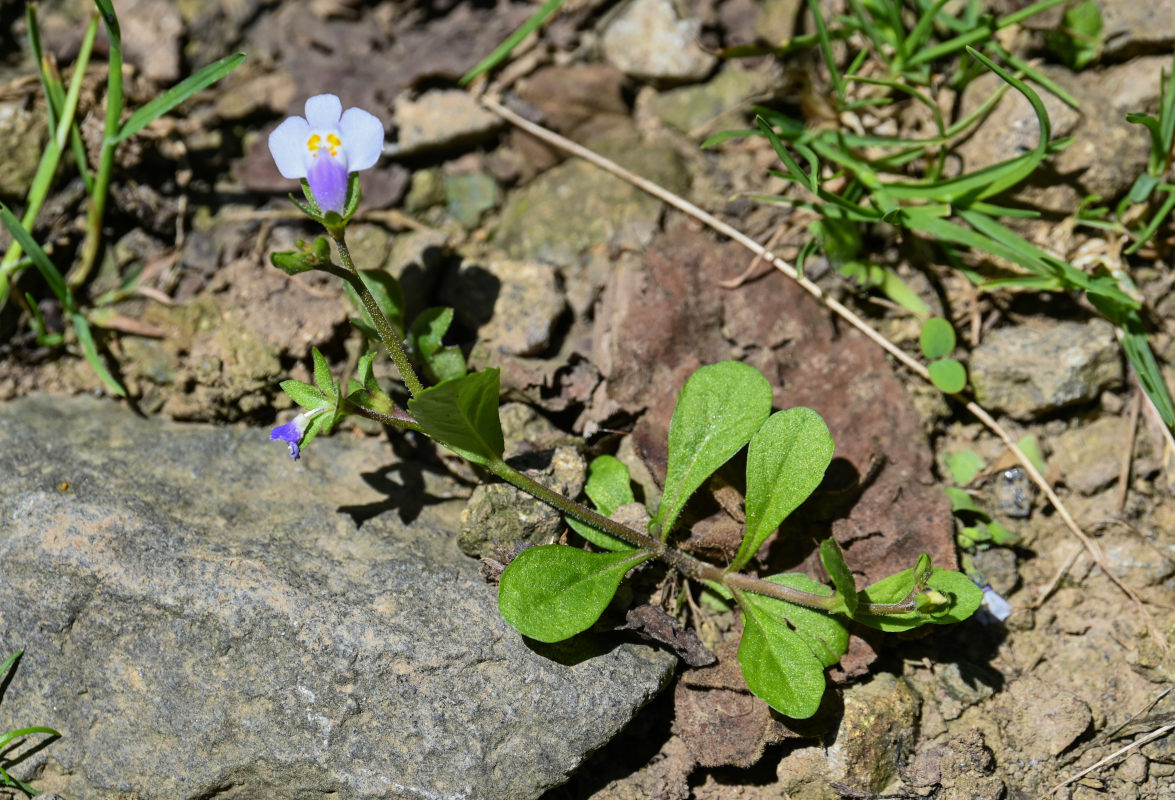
(291, 433)
(328, 183)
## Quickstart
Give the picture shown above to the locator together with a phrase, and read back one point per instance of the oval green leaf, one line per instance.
(718, 411)
(609, 486)
(462, 414)
(785, 463)
(963, 594)
(552, 592)
(937, 339)
(948, 375)
(778, 665)
(825, 634)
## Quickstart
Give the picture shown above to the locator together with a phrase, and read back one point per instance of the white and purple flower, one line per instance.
(292, 432)
(326, 146)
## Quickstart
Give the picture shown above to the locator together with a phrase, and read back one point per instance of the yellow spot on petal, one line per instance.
(335, 143)
(313, 143)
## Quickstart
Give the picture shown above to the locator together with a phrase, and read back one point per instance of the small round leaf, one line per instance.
(948, 375)
(938, 338)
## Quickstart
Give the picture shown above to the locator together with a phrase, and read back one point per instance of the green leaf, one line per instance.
(1030, 446)
(292, 262)
(304, 394)
(963, 595)
(462, 414)
(502, 51)
(428, 329)
(777, 663)
(552, 592)
(964, 466)
(962, 501)
(937, 339)
(609, 484)
(46, 267)
(948, 375)
(177, 94)
(322, 377)
(106, 9)
(826, 635)
(387, 293)
(448, 362)
(1078, 40)
(90, 350)
(718, 410)
(609, 487)
(425, 338)
(842, 578)
(366, 373)
(785, 463)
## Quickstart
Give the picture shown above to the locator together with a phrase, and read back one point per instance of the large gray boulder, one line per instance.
(200, 616)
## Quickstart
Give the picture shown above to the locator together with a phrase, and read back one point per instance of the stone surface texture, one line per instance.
(202, 617)
(441, 119)
(648, 40)
(1031, 369)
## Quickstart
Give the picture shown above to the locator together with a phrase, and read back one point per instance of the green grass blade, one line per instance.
(86, 339)
(920, 33)
(50, 83)
(106, 9)
(980, 34)
(40, 260)
(1147, 231)
(1037, 77)
(177, 94)
(16, 734)
(505, 48)
(838, 80)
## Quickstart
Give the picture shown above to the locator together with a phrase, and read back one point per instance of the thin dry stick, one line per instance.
(739, 280)
(1128, 452)
(1163, 731)
(842, 311)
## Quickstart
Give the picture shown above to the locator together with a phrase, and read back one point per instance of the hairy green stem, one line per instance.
(383, 326)
(683, 563)
(399, 418)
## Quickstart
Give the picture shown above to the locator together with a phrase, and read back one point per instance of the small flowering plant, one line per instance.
(793, 626)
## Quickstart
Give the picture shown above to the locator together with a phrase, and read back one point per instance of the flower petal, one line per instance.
(328, 183)
(287, 145)
(363, 138)
(323, 111)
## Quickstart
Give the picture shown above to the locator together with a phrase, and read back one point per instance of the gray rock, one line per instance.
(201, 617)
(1031, 369)
(1039, 720)
(27, 126)
(500, 517)
(879, 724)
(1090, 455)
(468, 195)
(441, 120)
(690, 107)
(575, 207)
(1130, 27)
(647, 40)
(514, 305)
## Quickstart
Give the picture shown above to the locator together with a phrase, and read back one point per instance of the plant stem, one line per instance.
(387, 333)
(683, 563)
(397, 419)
